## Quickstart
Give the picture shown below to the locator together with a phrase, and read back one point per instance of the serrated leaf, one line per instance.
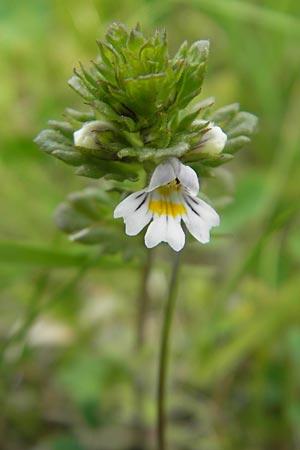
(129, 152)
(201, 171)
(198, 52)
(187, 117)
(106, 110)
(225, 114)
(243, 123)
(91, 202)
(89, 77)
(90, 171)
(79, 86)
(142, 92)
(68, 219)
(101, 168)
(236, 143)
(70, 157)
(189, 85)
(51, 140)
(159, 155)
(103, 70)
(65, 128)
(117, 35)
(207, 159)
(80, 116)
(181, 52)
(216, 160)
(83, 210)
(87, 218)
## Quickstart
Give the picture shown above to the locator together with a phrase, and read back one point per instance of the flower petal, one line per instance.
(135, 211)
(175, 235)
(129, 204)
(162, 175)
(188, 178)
(156, 232)
(165, 229)
(197, 227)
(200, 218)
(137, 221)
(213, 141)
(204, 210)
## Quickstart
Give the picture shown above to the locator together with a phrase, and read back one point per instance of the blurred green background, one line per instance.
(79, 332)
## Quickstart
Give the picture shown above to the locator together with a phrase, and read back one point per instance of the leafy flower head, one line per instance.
(142, 109)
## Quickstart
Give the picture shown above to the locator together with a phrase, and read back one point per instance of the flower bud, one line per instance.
(213, 141)
(86, 136)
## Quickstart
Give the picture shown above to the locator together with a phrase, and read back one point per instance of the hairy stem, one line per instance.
(164, 355)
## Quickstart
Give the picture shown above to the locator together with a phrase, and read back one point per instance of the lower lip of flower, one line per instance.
(161, 207)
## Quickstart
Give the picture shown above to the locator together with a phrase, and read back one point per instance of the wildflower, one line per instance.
(170, 197)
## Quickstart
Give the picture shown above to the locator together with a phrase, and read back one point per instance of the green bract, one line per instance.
(86, 217)
(145, 105)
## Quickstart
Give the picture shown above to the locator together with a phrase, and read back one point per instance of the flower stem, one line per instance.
(164, 355)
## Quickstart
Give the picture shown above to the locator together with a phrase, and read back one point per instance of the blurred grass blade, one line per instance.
(265, 328)
(251, 13)
(36, 255)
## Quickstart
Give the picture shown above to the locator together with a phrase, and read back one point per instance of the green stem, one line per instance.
(164, 355)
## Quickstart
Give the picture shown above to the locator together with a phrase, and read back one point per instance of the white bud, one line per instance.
(213, 141)
(86, 135)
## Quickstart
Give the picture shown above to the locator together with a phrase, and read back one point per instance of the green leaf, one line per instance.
(190, 83)
(50, 140)
(101, 168)
(76, 83)
(236, 143)
(70, 157)
(91, 202)
(87, 218)
(80, 116)
(69, 219)
(243, 123)
(186, 118)
(65, 128)
(225, 114)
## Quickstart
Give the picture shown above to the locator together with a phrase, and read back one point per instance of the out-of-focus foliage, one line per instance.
(78, 356)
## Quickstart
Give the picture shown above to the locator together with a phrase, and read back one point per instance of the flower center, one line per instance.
(167, 189)
(165, 205)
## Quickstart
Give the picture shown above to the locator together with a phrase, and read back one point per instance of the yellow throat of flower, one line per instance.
(164, 205)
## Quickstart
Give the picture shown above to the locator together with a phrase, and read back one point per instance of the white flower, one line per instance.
(86, 136)
(213, 141)
(170, 197)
